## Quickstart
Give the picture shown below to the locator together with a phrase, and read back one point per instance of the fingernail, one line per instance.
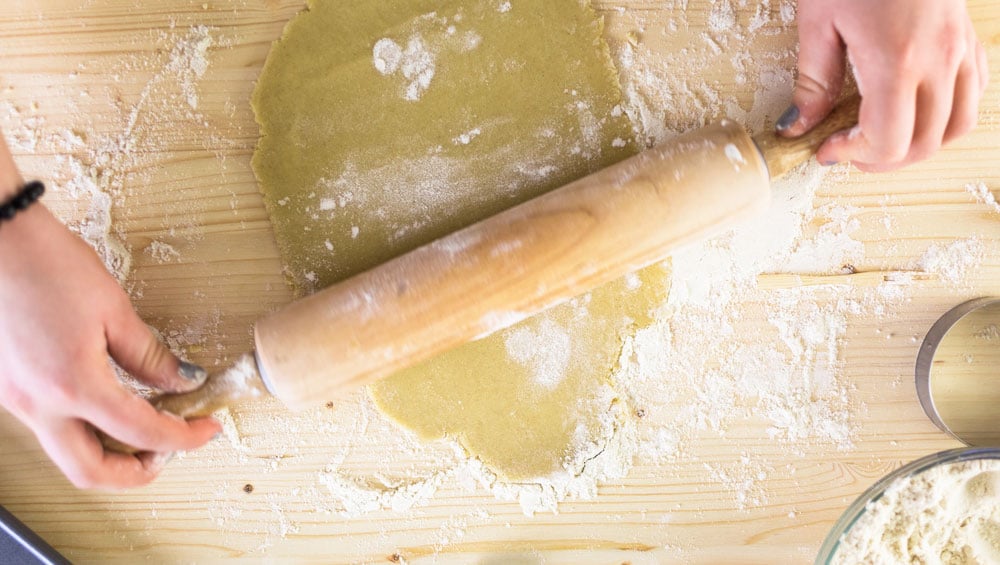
(160, 460)
(192, 372)
(828, 163)
(787, 119)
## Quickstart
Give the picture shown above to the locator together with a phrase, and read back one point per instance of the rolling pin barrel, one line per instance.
(510, 266)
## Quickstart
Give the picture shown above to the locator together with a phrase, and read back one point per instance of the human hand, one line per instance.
(919, 67)
(63, 315)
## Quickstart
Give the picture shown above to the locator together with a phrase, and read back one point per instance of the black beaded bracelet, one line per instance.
(28, 195)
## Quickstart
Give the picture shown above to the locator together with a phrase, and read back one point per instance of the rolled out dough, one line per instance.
(387, 124)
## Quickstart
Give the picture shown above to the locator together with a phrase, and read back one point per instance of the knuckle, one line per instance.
(63, 392)
(144, 437)
(84, 477)
(907, 58)
(923, 150)
(910, 56)
(891, 152)
(121, 303)
(962, 124)
(154, 357)
(983, 65)
(16, 400)
(953, 44)
(813, 87)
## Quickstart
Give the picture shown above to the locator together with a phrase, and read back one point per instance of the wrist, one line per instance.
(10, 187)
(11, 180)
(23, 235)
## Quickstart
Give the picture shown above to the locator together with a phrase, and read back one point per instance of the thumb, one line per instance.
(134, 347)
(820, 77)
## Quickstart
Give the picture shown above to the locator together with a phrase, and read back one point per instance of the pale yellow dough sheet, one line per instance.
(387, 124)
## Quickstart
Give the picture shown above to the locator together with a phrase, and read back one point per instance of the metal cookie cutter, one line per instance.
(958, 372)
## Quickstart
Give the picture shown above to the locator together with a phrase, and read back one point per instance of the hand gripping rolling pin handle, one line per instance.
(240, 382)
(783, 154)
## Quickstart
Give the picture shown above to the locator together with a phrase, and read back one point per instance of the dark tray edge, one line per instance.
(18, 542)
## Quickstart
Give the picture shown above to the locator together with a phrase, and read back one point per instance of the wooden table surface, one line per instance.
(97, 74)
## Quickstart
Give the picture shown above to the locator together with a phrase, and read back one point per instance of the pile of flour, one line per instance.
(949, 514)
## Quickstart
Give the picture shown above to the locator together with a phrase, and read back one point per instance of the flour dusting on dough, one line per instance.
(416, 63)
(467, 137)
(544, 350)
(388, 56)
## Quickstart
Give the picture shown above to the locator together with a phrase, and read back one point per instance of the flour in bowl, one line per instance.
(949, 514)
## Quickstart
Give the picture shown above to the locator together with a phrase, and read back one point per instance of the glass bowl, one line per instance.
(858, 507)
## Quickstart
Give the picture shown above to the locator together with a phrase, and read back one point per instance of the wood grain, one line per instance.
(83, 63)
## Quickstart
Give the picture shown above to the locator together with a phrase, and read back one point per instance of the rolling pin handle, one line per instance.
(782, 154)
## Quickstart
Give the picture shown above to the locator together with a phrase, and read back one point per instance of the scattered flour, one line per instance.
(742, 479)
(722, 16)
(832, 249)
(983, 194)
(354, 499)
(787, 11)
(351, 497)
(953, 262)
(949, 514)
(188, 62)
(989, 333)
(162, 252)
(98, 170)
(720, 376)
(663, 94)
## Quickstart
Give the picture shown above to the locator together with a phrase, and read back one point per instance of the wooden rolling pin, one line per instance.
(511, 266)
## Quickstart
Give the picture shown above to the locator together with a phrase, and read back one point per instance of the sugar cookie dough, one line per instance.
(534, 399)
(387, 124)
